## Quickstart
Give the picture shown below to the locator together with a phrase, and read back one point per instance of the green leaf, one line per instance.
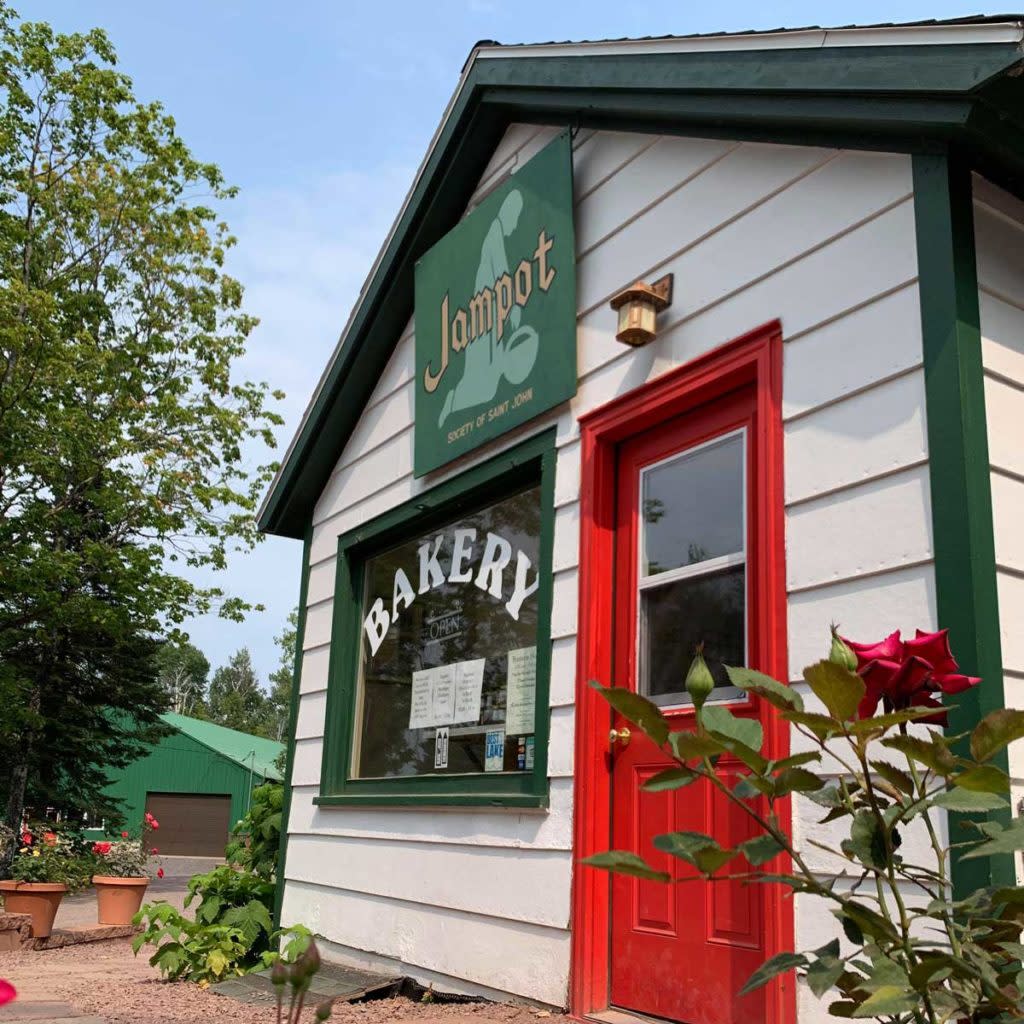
(879, 723)
(984, 778)
(797, 780)
(889, 1000)
(721, 720)
(1009, 840)
(670, 778)
(796, 760)
(621, 862)
(932, 753)
(852, 930)
(760, 849)
(823, 974)
(781, 963)
(995, 731)
(821, 725)
(839, 689)
(688, 746)
(968, 801)
(217, 962)
(896, 777)
(776, 693)
(867, 840)
(696, 848)
(639, 710)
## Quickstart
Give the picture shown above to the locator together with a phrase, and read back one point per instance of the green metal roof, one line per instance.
(249, 751)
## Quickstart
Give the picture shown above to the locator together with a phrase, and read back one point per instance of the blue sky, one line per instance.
(321, 112)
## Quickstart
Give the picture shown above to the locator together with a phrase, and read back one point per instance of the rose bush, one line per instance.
(128, 857)
(913, 954)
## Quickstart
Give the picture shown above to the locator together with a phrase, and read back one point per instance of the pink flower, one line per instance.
(159, 872)
(154, 850)
(7, 992)
(909, 674)
(124, 835)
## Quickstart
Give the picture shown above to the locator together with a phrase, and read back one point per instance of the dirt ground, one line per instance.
(105, 980)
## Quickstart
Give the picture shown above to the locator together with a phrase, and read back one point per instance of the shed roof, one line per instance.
(917, 87)
(244, 749)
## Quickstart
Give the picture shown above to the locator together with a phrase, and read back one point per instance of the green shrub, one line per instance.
(255, 839)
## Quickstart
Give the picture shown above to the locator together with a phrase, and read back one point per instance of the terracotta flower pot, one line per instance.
(118, 899)
(39, 899)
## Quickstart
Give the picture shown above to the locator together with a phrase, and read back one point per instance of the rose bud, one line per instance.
(278, 974)
(840, 652)
(699, 681)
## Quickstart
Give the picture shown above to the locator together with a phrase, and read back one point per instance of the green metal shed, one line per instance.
(197, 782)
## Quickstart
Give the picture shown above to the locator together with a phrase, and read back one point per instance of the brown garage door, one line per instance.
(191, 824)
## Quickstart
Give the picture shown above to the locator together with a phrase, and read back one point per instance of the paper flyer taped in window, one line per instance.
(469, 684)
(522, 691)
(446, 694)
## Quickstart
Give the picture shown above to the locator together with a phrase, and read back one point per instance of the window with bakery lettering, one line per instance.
(448, 648)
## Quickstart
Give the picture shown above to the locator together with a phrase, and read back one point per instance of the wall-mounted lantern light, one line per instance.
(638, 307)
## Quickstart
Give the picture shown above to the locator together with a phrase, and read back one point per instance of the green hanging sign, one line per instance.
(496, 313)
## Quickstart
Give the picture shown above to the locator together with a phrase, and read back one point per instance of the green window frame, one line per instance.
(527, 464)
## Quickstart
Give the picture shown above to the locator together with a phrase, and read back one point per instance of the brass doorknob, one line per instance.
(619, 736)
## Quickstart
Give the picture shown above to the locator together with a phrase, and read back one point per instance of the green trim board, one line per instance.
(528, 463)
(496, 313)
(905, 98)
(293, 715)
(958, 462)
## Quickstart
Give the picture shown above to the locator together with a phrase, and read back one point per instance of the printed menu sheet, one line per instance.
(446, 695)
(522, 691)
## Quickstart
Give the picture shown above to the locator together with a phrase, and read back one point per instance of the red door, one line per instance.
(686, 568)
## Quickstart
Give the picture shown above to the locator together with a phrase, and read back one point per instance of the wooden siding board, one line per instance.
(506, 829)
(534, 960)
(534, 884)
(872, 433)
(895, 510)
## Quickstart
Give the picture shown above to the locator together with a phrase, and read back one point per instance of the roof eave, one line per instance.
(893, 97)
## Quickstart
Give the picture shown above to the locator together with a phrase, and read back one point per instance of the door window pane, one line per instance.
(692, 507)
(448, 655)
(675, 617)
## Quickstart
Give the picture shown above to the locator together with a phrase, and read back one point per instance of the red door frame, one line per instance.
(755, 358)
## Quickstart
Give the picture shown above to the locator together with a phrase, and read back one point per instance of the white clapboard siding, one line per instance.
(822, 240)
(534, 889)
(999, 240)
(499, 954)
(828, 537)
(508, 828)
(313, 671)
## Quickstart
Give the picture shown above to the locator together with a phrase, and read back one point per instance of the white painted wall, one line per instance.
(999, 240)
(823, 240)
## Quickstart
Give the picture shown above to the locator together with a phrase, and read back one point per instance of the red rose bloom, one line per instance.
(159, 872)
(26, 838)
(101, 848)
(909, 674)
(7, 992)
(124, 835)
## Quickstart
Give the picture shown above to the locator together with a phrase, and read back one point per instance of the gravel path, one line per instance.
(104, 980)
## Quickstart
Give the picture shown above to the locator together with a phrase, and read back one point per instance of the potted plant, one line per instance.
(125, 865)
(38, 880)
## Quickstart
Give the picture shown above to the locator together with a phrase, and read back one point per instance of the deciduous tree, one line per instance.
(126, 458)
